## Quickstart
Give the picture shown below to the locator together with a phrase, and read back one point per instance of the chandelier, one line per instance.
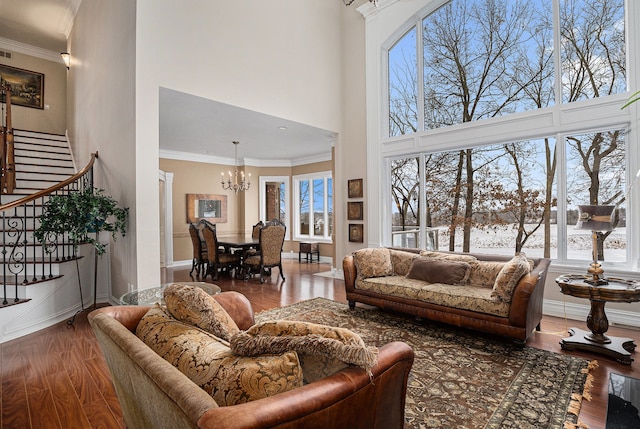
(235, 186)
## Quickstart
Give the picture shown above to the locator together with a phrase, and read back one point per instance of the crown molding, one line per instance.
(250, 162)
(66, 23)
(34, 51)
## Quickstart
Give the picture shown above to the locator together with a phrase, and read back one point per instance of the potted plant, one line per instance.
(82, 215)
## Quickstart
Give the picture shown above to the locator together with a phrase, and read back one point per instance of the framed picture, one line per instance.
(27, 87)
(356, 233)
(354, 188)
(206, 206)
(354, 210)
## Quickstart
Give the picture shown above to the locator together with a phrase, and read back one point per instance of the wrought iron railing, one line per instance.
(23, 259)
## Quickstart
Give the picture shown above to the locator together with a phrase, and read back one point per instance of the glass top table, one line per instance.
(152, 295)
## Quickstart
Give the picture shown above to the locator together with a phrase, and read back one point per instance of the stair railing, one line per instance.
(24, 259)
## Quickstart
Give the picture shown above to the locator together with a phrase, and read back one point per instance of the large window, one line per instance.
(488, 60)
(483, 59)
(313, 202)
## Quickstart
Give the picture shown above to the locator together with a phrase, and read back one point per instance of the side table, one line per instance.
(617, 290)
(152, 295)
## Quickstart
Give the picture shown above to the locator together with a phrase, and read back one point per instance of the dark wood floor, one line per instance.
(57, 378)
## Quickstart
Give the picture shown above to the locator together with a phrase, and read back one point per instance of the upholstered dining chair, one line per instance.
(200, 259)
(255, 231)
(218, 259)
(271, 239)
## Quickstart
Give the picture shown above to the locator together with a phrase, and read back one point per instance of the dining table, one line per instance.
(238, 241)
(244, 242)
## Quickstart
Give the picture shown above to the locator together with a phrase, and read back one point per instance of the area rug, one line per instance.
(460, 378)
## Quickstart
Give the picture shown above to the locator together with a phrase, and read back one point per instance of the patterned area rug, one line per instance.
(460, 378)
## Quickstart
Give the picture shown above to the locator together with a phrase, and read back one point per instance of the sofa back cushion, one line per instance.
(509, 276)
(210, 364)
(373, 262)
(401, 261)
(434, 270)
(194, 306)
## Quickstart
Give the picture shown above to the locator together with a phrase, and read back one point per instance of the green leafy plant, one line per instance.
(82, 215)
(632, 99)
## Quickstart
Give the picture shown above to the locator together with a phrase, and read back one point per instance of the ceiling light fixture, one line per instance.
(66, 58)
(235, 186)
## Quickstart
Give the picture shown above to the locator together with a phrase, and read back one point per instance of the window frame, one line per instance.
(324, 176)
(558, 120)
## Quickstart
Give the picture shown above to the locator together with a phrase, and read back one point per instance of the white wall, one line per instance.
(280, 57)
(101, 116)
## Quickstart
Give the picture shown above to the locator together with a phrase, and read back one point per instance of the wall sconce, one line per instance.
(66, 57)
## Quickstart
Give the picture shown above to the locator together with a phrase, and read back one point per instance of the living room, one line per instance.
(326, 53)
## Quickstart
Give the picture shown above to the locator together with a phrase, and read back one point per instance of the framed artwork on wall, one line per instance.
(206, 206)
(354, 210)
(356, 232)
(354, 188)
(27, 87)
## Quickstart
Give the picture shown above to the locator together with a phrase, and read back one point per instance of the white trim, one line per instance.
(263, 198)
(579, 312)
(167, 178)
(34, 51)
(325, 176)
(212, 159)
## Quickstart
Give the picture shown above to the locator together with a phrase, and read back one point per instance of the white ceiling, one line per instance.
(191, 127)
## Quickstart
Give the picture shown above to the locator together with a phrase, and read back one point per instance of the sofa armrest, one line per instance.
(526, 302)
(347, 399)
(349, 269)
(236, 304)
(238, 307)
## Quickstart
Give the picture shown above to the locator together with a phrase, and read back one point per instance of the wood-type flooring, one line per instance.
(57, 377)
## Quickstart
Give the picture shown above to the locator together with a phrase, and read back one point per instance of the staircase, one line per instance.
(42, 161)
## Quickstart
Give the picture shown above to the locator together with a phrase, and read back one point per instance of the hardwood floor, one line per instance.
(57, 377)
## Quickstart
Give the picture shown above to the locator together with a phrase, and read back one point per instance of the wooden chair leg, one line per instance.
(281, 273)
(193, 265)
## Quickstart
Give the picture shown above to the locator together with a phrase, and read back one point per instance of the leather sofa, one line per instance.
(516, 319)
(155, 394)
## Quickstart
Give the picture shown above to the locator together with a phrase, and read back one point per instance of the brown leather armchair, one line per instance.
(155, 394)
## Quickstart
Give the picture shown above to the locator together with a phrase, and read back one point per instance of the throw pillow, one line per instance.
(509, 276)
(433, 270)
(192, 305)
(209, 362)
(373, 262)
(484, 273)
(323, 350)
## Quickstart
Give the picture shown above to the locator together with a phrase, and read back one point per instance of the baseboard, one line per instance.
(568, 310)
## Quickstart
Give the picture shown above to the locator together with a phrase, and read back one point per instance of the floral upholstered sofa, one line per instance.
(201, 362)
(496, 294)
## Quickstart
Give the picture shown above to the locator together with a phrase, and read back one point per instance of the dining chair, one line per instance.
(200, 260)
(271, 239)
(218, 259)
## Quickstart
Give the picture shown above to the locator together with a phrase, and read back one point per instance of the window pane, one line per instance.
(318, 207)
(494, 199)
(484, 59)
(596, 175)
(304, 199)
(404, 191)
(403, 99)
(593, 48)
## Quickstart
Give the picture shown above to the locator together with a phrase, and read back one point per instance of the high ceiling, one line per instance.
(191, 127)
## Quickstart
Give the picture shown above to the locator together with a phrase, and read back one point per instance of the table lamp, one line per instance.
(595, 219)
